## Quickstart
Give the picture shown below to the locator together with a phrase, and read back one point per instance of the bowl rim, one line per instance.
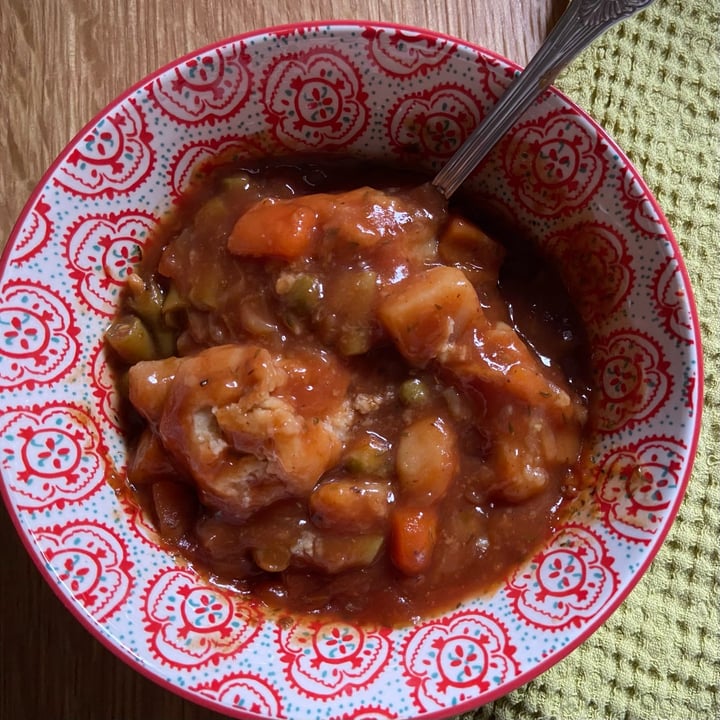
(126, 655)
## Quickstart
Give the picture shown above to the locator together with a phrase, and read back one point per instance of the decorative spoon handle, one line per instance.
(582, 22)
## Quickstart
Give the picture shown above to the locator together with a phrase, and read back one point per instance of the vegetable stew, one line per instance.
(344, 396)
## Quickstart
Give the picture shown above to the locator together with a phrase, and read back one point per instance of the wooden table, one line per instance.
(60, 63)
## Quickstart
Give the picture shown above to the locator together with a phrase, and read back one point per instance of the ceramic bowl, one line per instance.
(368, 90)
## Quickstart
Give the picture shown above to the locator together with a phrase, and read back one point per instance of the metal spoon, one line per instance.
(582, 22)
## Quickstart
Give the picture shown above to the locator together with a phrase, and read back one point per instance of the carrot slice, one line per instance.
(413, 532)
(274, 228)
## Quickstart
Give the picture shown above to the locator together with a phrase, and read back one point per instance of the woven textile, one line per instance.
(653, 83)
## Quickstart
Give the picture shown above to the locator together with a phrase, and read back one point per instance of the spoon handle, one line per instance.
(582, 22)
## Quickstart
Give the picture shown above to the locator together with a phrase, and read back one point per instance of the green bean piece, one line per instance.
(146, 298)
(131, 340)
(165, 341)
(414, 392)
(174, 307)
(304, 294)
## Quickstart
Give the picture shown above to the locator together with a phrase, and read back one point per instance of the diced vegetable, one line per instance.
(129, 337)
(414, 392)
(214, 216)
(225, 546)
(274, 228)
(206, 289)
(351, 505)
(464, 243)
(273, 558)
(427, 460)
(347, 315)
(428, 311)
(149, 463)
(370, 455)
(336, 553)
(302, 294)
(256, 317)
(413, 533)
(237, 183)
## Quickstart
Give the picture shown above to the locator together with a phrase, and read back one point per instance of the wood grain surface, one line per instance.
(60, 64)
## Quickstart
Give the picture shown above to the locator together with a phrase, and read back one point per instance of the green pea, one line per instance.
(414, 392)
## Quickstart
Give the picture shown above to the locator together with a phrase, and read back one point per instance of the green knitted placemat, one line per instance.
(653, 83)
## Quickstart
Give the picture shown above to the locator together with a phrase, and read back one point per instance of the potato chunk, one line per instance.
(427, 312)
(351, 505)
(427, 460)
(274, 228)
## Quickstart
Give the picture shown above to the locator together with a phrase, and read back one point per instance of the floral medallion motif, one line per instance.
(101, 250)
(38, 335)
(194, 156)
(92, 562)
(246, 692)
(566, 583)
(190, 622)
(552, 164)
(36, 230)
(403, 53)
(596, 267)
(633, 379)
(636, 485)
(332, 659)
(435, 121)
(449, 660)
(51, 455)
(114, 157)
(206, 88)
(315, 99)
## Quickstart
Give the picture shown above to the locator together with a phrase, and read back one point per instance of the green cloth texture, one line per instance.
(653, 82)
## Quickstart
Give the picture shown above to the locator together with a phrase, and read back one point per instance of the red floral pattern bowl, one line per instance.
(367, 90)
